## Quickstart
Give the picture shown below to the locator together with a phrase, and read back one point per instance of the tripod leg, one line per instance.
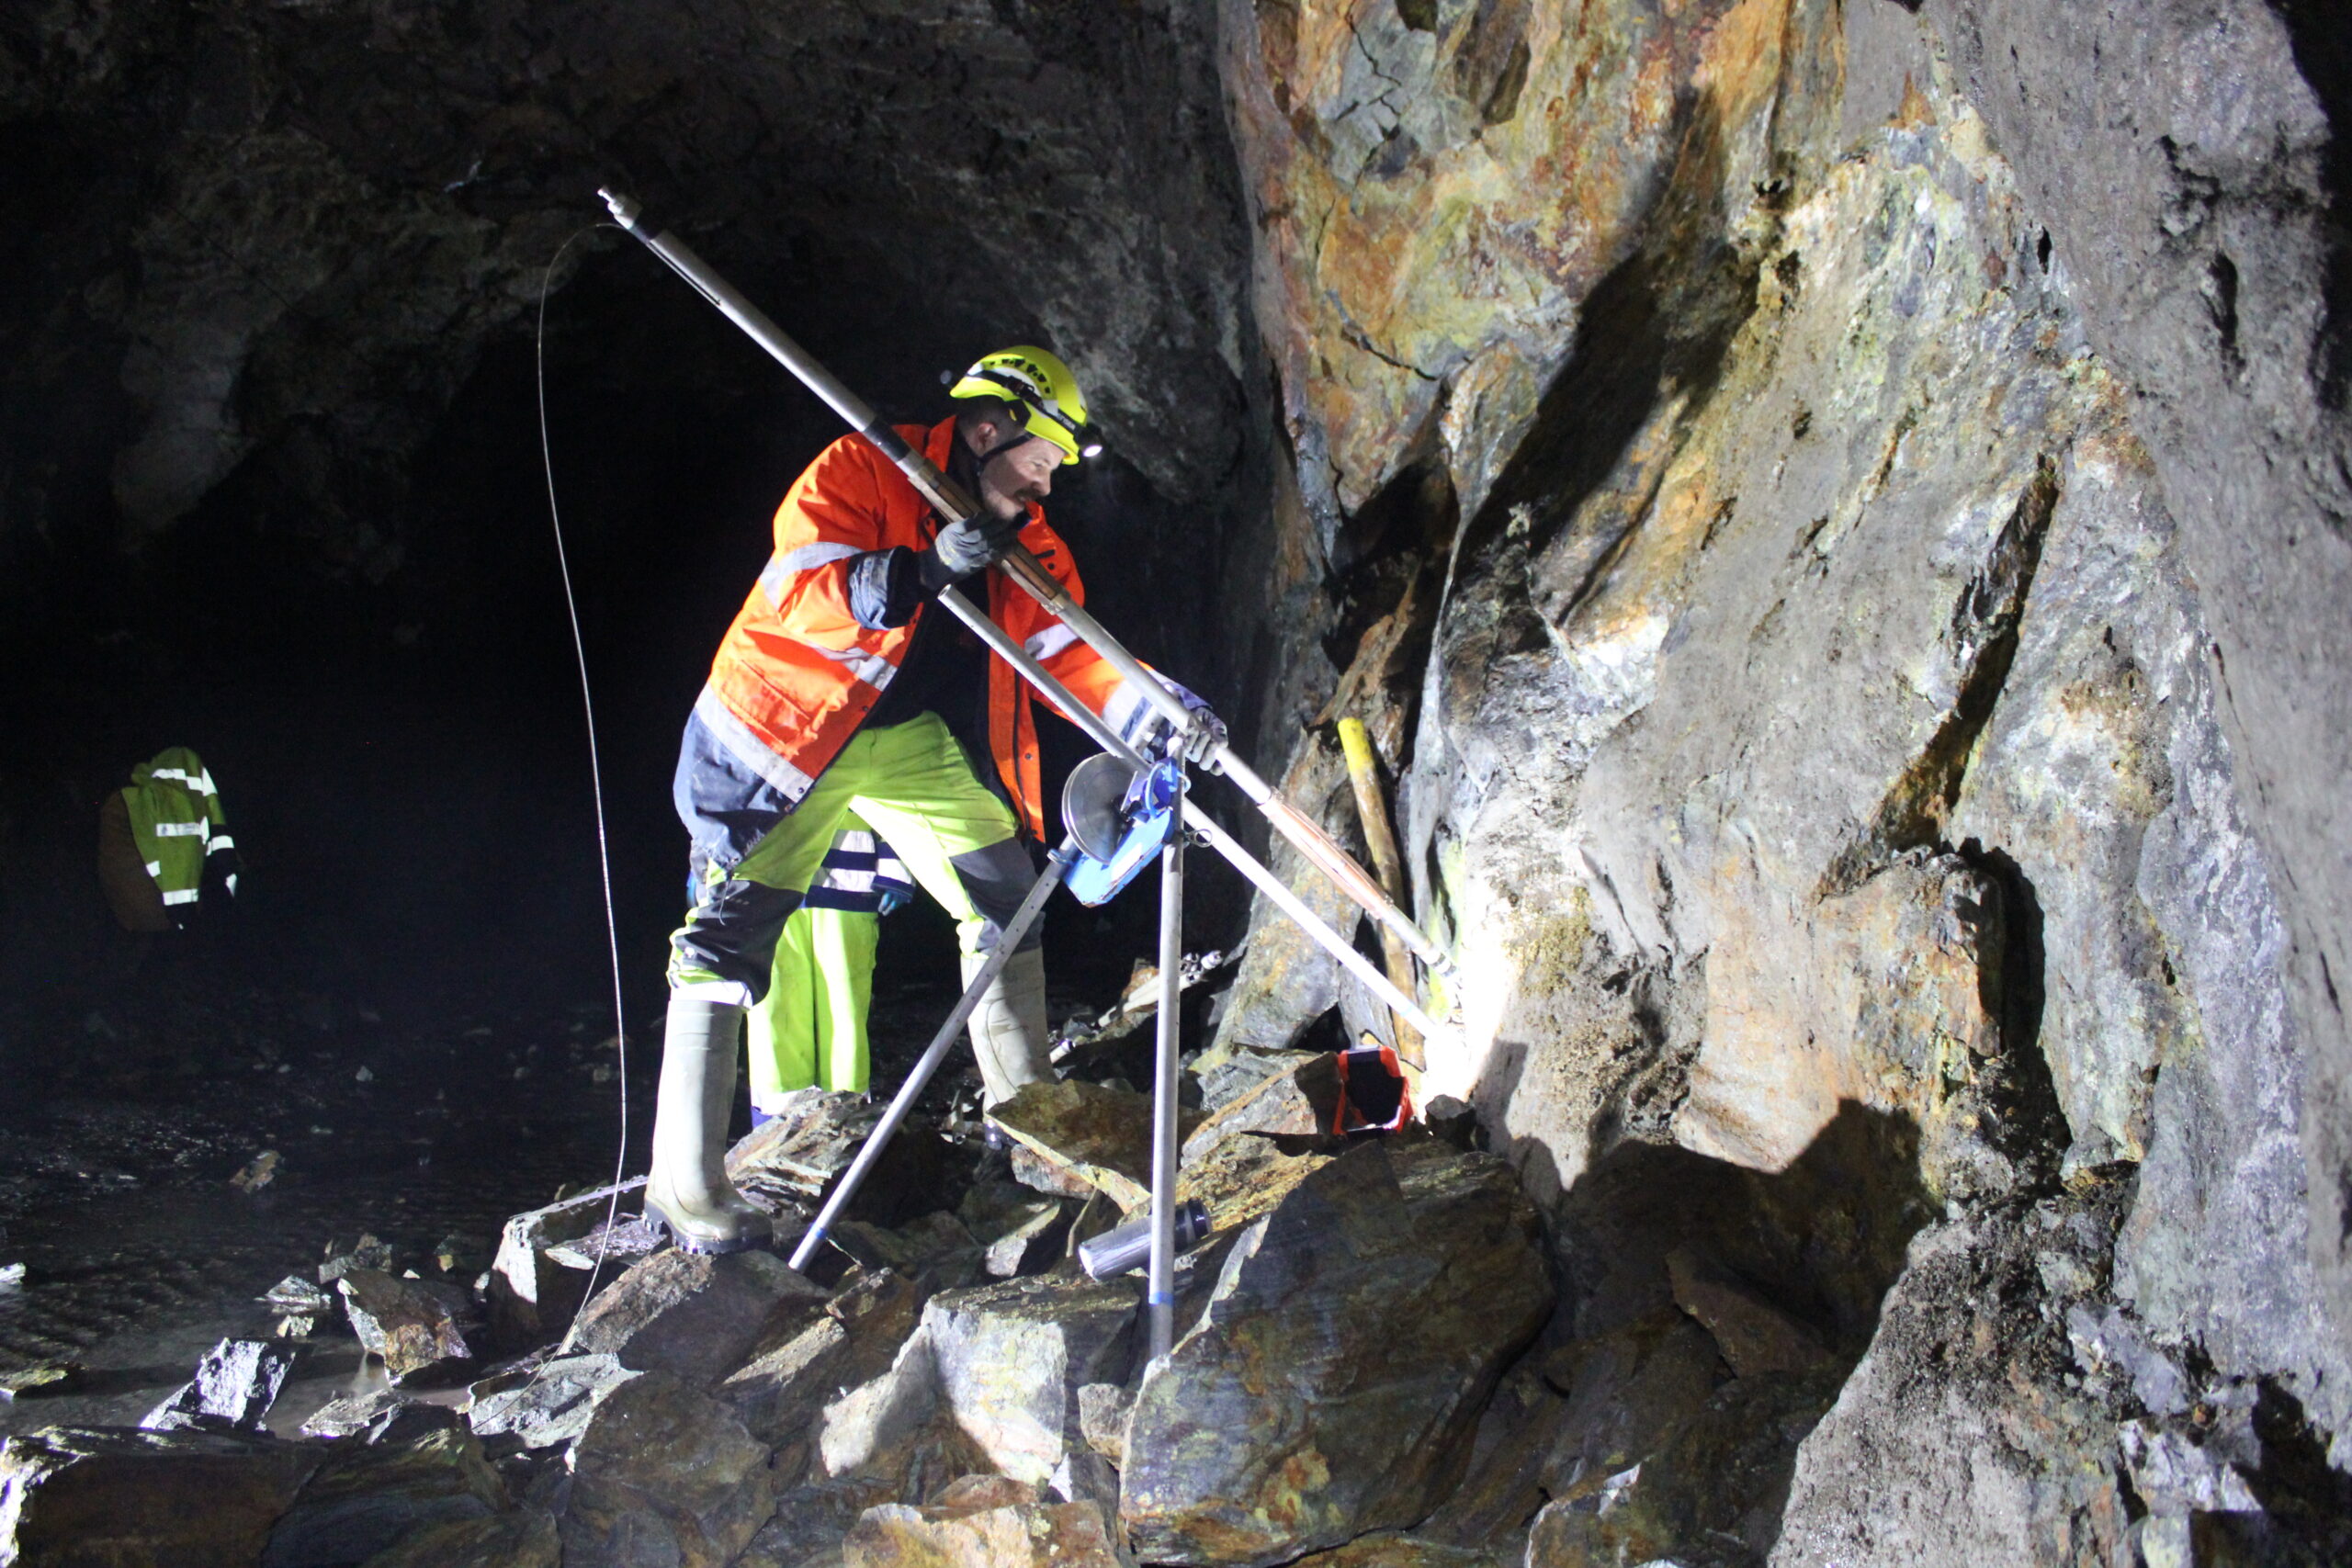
(941, 1043)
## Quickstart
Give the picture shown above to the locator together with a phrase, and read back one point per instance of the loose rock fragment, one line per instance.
(365, 1253)
(693, 1315)
(536, 1283)
(1099, 1136)
(1299, 1098)
(420, 1328)
(1103, 1419)
(1755, 1336)
(781, 1391)
(380, 1417)
(295, 1295)
(664, 1474)
(525, 1540)
(1011, 1359)
(367, 1498)
(1332, 1386)
(100, 1498)
(982, 1522)
(935, 1249)
(235, 1384)
(258, 1172)
(789, 1160)
(811, 1522)
(553, 1405)
(50, 1377)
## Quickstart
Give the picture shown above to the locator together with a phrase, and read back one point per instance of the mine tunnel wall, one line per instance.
(1832, 513)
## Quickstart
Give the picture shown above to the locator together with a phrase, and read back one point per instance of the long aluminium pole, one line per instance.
(1001, 643)
(1160, 1297)
(1025, 572)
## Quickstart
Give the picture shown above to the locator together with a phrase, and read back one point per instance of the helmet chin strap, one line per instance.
(966, 466)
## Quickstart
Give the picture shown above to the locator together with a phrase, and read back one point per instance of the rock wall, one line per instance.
(1877, 540)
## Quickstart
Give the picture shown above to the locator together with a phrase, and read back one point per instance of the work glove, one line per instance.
(963, 548)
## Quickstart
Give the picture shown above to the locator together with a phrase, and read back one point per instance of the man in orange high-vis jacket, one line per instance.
(838, 689)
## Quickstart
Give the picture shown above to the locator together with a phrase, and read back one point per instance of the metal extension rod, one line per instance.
(1302, 830)
(1160, 1295)
(1025, 572)
(1058, 862)
(1001, 642)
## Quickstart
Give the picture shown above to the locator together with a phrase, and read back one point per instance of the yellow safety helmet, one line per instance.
(1042, 392)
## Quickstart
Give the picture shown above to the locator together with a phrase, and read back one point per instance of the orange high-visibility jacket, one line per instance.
(797, 672)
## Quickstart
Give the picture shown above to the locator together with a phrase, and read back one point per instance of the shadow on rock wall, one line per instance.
(1710, 1316)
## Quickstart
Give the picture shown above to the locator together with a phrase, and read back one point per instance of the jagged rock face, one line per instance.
(1787, 423)
(333, 207)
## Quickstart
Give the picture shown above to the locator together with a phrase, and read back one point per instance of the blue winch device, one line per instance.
(1121, 818)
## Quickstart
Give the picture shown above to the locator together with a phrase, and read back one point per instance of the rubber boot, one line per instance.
(688, 1190)
(1009, 1026)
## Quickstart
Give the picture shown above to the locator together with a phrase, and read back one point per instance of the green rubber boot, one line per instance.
(688, 1191)
(1007, 1028)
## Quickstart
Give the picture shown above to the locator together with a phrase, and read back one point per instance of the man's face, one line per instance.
(1011, 481)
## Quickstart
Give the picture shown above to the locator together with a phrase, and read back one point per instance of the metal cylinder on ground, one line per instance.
(1116, 1251)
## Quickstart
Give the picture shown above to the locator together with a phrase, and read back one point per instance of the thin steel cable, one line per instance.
(596, 768)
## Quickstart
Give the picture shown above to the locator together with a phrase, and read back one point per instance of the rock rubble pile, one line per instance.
(946, 1386)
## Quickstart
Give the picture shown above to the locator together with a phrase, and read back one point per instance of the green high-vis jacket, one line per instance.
(178, 828)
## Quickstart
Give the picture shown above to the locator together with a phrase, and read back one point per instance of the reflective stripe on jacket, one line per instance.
(797, 672)
(176, 822)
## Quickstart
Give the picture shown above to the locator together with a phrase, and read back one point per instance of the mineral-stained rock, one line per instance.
(897, 1426)
(982, 1522)
(692, 1313)
(533, 1294)
(1011, 1359)
(1755, 1336)
(235, 1384)
(1242, 1178)
(109, 1497)
(1299, 1099)
(423, 1329)
(1385, 1549)
(664, 1474)
(365, 1499)
(1102, 1419)
(783, 1389)
(811, 1522)
(553, 1405)
(1099, 1134)
(1331, 1385)
(1628, 1390)
(524, 1540)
